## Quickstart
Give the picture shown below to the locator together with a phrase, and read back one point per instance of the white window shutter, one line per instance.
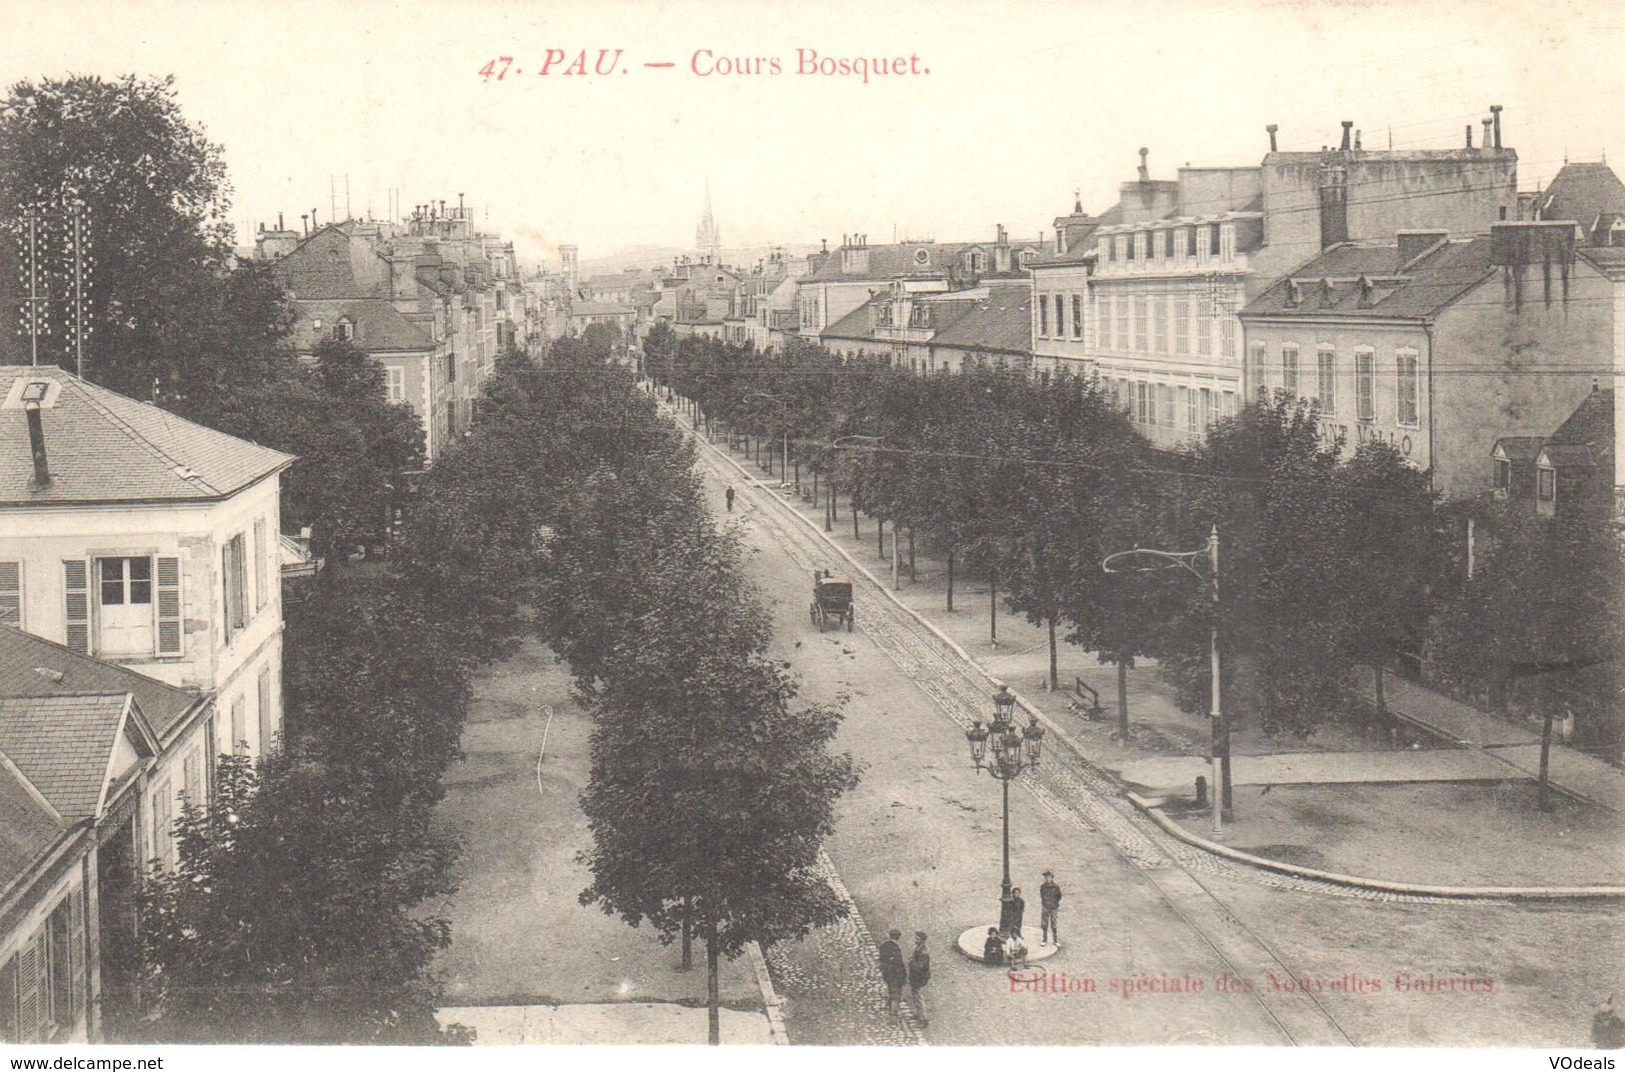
(169, 605)
(11, 594)
(30, 1013)
(76, 943)
(76, 604)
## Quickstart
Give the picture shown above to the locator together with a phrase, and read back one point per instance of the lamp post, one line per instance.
(1004, 750)
(1219, 750)
(784, 417)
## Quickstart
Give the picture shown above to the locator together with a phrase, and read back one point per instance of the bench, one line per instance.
(1083, 700)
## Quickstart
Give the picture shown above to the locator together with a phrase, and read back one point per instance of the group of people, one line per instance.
(914, 973)
(1005, 944)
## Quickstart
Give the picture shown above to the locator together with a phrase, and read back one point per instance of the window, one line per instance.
(1187, 402)
(59, 966)
(266, 712)
(1326, 385)
(1128, 247)
(1043, 315)
(1168, 244)
(239, 725)
(11, 594)
(344, 330)
(1142, 332)
(1190, 243)
(1227, 330)
(1142, 403)
(1060, 316)
(1204, 329)
(1548, 484)
(1289, 368)
(1407, 388)
(1160, 325)
(1111, 249)
(1182, 324)
(1204, 410)
(395, 383)
(1257, 355)
(234, 580)
(1365, 385)
(1077, 316)
(1121, 304)
(192, 777)
(1503, 475)
(451, 367)
(1169, 416)
(1214, 243)
(1150, 390)
(1227, 243)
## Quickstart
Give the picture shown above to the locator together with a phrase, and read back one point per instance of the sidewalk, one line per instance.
(611, 1024)
(1518, 747)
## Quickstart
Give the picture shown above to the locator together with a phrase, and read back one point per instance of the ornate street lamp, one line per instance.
(1005, 750)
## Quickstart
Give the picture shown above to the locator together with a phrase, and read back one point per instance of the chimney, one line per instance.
(1367, 292)
(279, 221)
(1145, 172)
(1348, 125)
(824, 243)
(1495, 113)
(1469, 135)
(304, 224)
(1294, 295)
(1487, 123)
(1271, 129)
(314, 226)
(36, 442)
(1356, 141)
(460, 209)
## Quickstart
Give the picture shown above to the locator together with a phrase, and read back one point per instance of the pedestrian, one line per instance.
(1607, 1029)
(993, 948)
(894, 970)
(1015, 953)
(1018, 908)
(1049, 902)
(729, 495)
(919, 974)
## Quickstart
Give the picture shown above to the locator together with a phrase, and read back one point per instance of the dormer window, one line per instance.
(922, 256)
(344, 330)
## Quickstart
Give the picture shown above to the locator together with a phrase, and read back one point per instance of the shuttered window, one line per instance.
(59, 966)
(76, 605)
(267, 721)
(80, 968)
(239, 725)
(261, 560)
(192, 772)
(233, 574)
(31, 994)
(11, 594)
(169, 605)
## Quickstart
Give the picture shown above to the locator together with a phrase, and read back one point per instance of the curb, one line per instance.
(1173, 829)
(1153, 809)
(772, 1004)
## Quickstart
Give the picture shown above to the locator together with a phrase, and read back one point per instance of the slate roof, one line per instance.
(890, 262)
(61, 744)
(587, 308)
(1415, 291)
(164, 706)
(1000, 322)
(1582, 192)
(310, 273)
(1520, 448)
(102, 447)
(27, 828)
(855, 325)
(379, 326)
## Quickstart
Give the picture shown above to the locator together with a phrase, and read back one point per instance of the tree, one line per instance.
(294, 915)
(157, 195)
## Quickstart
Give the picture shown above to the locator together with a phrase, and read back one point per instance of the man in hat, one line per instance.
(919, 973)
(894, 970)
(1049, 902)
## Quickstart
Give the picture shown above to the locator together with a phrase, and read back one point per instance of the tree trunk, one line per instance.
(1543, 792)
(993, 606)
(1382, 699)
(950, 580)
(1122, 699)
(688, 935)
(880, 538)
(713, 1003)
(912, 579)
(1054, 665)
(855, 534)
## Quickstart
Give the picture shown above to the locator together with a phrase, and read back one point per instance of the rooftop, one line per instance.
(66, 673)
(1361, 281)
(1001, 322)
(102, 447)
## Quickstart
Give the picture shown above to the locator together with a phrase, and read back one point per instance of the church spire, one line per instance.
(708, 237)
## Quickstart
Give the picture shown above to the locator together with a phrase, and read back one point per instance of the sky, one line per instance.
(1025, 102)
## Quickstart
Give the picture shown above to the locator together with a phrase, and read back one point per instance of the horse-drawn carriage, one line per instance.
(831, 602)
